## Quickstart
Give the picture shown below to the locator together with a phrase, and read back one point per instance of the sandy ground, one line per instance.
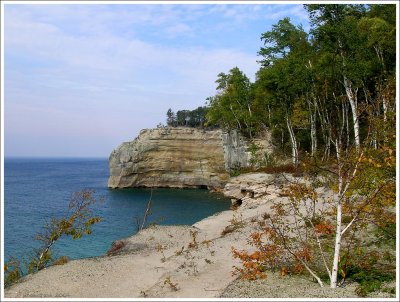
(175, 262)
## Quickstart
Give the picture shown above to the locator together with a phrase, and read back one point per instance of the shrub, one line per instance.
(236, 223)
(61, 261)
(116, 247)
(12, 272)
(370, 269)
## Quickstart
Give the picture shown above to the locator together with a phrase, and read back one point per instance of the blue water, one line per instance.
(37, 189)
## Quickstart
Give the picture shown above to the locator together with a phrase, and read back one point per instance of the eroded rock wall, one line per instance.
(177, 158)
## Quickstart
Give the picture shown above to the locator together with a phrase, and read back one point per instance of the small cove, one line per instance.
(37, 189)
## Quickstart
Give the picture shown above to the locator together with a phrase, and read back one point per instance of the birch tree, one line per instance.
(231, 106)
(354, 62)
(286, 62)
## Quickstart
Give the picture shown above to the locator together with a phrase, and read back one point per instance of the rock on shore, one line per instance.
(179, 157)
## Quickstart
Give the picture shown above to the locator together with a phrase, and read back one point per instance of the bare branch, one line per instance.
(320, 250)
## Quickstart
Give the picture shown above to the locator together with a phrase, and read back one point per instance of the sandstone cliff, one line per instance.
(177, 158)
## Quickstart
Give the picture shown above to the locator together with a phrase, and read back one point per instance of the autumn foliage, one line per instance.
(298, 235)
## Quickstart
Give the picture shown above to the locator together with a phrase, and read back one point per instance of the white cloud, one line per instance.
(118, 56)
(277, 12)
(93, 64)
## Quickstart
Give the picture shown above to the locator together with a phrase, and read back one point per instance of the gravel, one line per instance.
(275, 286)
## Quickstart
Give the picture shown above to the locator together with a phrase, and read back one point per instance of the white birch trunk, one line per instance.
(338, 240)
(313, 134)
(347, 131)
(313, 126)
(338, 234)
(295, 155)
(237, 120)
(248, 107)
(385, 109)
(326, 129)
(352, 97)
(269, 116)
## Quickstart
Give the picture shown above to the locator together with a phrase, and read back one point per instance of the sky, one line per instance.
(80, 79)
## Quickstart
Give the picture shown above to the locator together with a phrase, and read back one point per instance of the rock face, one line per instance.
(177, 158)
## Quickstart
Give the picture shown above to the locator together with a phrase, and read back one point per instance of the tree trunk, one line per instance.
(385, 109)
(325, 125)
(269, 117)
(347, 131)
(237, 120)
(352, 97)
(295, 154)
(338, 234)
(313, 126)
(338, 239)
(327, 151)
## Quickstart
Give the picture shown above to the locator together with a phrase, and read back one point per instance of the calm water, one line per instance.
(37, 189)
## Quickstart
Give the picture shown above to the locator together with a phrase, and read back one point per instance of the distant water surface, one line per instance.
(37, 189)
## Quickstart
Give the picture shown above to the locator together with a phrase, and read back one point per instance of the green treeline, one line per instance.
(190, 118)
(330, 87)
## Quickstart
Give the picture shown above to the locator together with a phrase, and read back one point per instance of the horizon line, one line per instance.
(52, 156)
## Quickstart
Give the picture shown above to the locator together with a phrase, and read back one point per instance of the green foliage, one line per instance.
(332, 92)
(280, 41)
(258, 158)
(375, 262)
(369, 279)
(308, 80)
(12, 272)
(235, 172)
(232, 107)
(171, 118)
(269, 159)
(76, 224)
(386, 234)
(254, 158)
(190, 118)
(42, 259)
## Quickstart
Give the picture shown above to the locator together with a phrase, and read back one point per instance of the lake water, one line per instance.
(37, 189)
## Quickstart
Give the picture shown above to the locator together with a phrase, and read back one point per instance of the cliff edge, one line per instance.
(178, 158)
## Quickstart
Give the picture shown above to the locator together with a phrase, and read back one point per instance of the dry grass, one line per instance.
(61, 261)
(236, 223)
(277, 169)
(116, 247)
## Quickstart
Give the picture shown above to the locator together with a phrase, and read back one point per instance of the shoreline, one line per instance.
(181, 261)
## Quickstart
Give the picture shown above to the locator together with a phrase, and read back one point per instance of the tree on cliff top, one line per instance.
(189, 118)
(171, 118)
(231, 107)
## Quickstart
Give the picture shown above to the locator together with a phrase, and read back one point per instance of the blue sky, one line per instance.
(81, 79)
